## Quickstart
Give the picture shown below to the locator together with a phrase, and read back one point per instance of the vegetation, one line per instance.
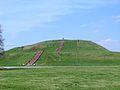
(1, 43)
(75, 52)
(61, 78)
(77, 70)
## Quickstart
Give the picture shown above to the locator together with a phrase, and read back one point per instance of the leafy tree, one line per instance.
(1, 43)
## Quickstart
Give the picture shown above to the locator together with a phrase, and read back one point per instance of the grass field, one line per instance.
(61, 78)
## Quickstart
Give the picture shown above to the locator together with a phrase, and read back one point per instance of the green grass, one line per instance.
(61, 78)
(75, 52)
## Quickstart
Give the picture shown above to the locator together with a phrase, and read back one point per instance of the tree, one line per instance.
(1, 43)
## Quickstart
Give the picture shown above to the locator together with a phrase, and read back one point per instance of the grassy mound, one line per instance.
(75, 52)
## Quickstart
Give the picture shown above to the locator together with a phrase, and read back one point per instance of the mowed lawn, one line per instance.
(61, 78)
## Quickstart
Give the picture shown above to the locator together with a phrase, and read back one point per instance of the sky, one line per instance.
(27, 22)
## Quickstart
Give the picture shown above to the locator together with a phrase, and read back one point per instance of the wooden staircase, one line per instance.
(61, 46)
(35, 58)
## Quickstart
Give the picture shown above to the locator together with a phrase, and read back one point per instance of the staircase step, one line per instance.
(35, 58)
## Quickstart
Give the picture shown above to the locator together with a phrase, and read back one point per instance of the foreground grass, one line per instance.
(61, 78)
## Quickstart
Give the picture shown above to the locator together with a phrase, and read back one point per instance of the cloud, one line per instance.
(109, 40)
(24, 15)
(116, 18)
(9, 45)
(97, 1)
(28, 14)
(110, 44)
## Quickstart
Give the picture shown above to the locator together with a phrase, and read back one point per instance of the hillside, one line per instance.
(74, 52)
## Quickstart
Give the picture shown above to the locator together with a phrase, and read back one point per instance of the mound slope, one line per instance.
(73, 52)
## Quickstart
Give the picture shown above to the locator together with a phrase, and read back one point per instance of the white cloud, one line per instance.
(9, 45)
(34, 15)
(20, 15)
(116, 19)
(109, 40)
(98, 1)
(110, 44)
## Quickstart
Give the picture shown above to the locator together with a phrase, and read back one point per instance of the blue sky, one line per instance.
(30, 21)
